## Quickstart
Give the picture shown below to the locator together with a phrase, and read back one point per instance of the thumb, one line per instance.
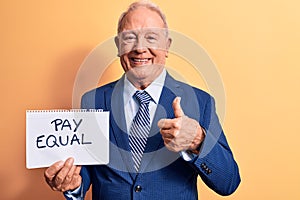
(178, 112)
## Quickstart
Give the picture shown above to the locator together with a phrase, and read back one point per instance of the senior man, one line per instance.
(163, 133)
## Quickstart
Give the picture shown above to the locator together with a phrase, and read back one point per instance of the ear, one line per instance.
(117, 44)
(169, 42)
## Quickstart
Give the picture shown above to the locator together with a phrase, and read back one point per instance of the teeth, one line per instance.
(140, 60)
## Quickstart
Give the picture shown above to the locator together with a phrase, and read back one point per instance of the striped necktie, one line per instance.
(140, 128)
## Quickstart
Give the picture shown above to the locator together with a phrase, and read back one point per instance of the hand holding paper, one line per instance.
(63, 176)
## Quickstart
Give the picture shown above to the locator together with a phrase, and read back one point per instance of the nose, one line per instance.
(140, 46)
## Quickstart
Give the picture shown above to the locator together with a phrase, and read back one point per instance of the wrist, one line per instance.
(197, 143)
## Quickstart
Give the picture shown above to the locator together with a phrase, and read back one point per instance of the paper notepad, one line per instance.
(53, 135)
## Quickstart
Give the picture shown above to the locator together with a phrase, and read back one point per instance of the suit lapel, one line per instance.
(119, 129)
(164, 109)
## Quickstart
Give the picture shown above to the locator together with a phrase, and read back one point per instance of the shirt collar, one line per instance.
(154, 89)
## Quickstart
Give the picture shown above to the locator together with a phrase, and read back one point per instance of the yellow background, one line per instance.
(255, 45)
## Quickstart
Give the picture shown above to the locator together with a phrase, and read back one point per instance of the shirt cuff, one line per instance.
(187, 156)
(74, 194)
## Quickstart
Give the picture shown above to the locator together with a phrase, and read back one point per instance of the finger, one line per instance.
(76, 181)
(51, 172)
(60, 177)
(167, 134)
(170, 145)
(76, 177)
(178, 112)
(161, 123)
(69, 177)
(168, 123)
(77, 170)
(167, 141)
(72, 180)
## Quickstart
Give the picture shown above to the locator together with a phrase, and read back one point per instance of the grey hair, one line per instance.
(142, 3)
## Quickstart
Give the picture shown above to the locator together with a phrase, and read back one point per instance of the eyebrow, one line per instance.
(152, 32)
(146, 32)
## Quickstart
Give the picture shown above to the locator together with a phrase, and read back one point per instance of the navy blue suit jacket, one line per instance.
(163, 174)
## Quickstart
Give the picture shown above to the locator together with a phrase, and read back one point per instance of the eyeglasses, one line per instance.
(153, 38)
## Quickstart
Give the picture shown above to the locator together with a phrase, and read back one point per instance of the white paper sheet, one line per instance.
(53, 135)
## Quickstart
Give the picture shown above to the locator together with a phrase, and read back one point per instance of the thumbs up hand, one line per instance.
(181, 133)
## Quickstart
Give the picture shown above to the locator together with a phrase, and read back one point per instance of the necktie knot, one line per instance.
(143, 97)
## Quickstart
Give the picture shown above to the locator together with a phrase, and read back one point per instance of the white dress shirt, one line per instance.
(131, 105)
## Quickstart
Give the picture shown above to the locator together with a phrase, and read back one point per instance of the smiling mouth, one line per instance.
(140, 61)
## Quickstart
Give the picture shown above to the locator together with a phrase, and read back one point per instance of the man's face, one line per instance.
(143, 46)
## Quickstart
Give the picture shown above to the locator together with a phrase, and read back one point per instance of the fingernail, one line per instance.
(69, 161)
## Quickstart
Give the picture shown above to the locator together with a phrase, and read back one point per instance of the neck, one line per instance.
(140, 85)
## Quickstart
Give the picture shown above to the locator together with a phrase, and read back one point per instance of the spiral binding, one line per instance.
(64, 110)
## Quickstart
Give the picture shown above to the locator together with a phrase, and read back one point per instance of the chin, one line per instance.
(138, 73)
(144, 74)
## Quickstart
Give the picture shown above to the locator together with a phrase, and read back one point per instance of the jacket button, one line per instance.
(208, 171)
(138, 188)
(203, 166)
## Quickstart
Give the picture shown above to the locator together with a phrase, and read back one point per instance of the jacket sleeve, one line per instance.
(215, 163)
